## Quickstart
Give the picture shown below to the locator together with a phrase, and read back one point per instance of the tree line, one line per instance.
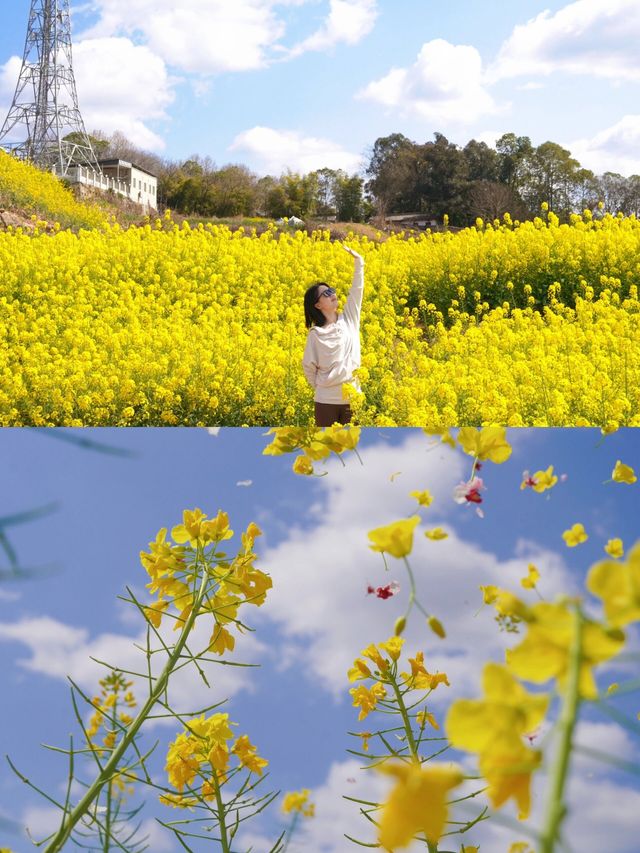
(432, 179)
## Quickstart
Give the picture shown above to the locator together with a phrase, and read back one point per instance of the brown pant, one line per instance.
(328, 414)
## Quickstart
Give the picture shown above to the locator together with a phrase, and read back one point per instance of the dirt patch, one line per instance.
(15, 219)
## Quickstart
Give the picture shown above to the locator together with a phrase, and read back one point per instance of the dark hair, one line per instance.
(313, 316)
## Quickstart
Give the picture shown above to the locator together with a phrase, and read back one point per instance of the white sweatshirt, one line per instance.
(332, 352)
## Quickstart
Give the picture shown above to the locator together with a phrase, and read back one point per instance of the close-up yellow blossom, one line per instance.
(576, 535)
(417, 803)
(614, 548)
(436, 534)
(532, 577)
(396, 538)
(623, 473)
(545, 651)
(507, 712)
(485, 443)
(494, 728)
(508, 770)
(541, 480)
(424, 498)
(618, 585)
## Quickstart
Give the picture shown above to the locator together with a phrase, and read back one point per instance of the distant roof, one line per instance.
(126, 164)
(397, 217)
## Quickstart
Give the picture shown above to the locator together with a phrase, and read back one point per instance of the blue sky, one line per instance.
(313, 83)
(318, 617)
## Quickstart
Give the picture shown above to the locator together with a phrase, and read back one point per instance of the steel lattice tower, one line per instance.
(45, 104)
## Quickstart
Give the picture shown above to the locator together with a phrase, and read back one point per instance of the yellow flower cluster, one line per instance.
(201, 755)
(24, 187)
(521, 264)
(385, 657)
(111, 714)
(170, 325)
(175, 570)
(314, 444)
(494, 727)
(115, 693)
(298, 801)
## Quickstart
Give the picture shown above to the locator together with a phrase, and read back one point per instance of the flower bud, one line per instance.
(400, 625)
(436, 626)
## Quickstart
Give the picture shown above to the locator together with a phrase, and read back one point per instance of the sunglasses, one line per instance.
(328, 292)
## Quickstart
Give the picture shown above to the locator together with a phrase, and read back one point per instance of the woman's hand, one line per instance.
(353, 253)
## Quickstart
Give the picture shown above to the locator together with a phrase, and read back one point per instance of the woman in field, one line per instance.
(332, 352)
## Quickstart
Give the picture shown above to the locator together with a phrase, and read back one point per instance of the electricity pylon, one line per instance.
(44, 111)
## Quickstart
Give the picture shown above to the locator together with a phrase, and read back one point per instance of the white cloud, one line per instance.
(41, 820)
(321, 572)
(615, 149)
(585, 37)
(219, 36)
(348, 22)
(157, 837)
(277, 150)
(196, 37)
(9, 77)
(444, 85)
(122, 86)
(58, 650)
(336, 816)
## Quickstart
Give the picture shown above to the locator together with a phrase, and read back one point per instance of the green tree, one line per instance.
(554, 176)
(388, 171)
(514, 155)
(483, 162)
(350, 198)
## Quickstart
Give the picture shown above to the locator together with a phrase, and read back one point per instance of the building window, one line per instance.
(134, 182)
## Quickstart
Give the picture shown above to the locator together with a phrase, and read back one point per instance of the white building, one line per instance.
(123, 178)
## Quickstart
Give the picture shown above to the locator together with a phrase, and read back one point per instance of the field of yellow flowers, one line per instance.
(520, 324)
(42, 195)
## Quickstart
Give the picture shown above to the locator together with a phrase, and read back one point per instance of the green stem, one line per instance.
(224, 841)
(405, 719)
(556, 807)
(67, 826)
(290, 831)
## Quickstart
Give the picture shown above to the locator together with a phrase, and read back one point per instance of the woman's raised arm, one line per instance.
(353, 304)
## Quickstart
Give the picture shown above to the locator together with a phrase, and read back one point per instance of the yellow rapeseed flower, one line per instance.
(623, 473)
(298, 801)
(486, 443)
(544, 653)
(576, 535)
(436, 534)
(618, 585)
(424, 498)
(396, 538)
(532, 577)
(614, 548)
(417, 803)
